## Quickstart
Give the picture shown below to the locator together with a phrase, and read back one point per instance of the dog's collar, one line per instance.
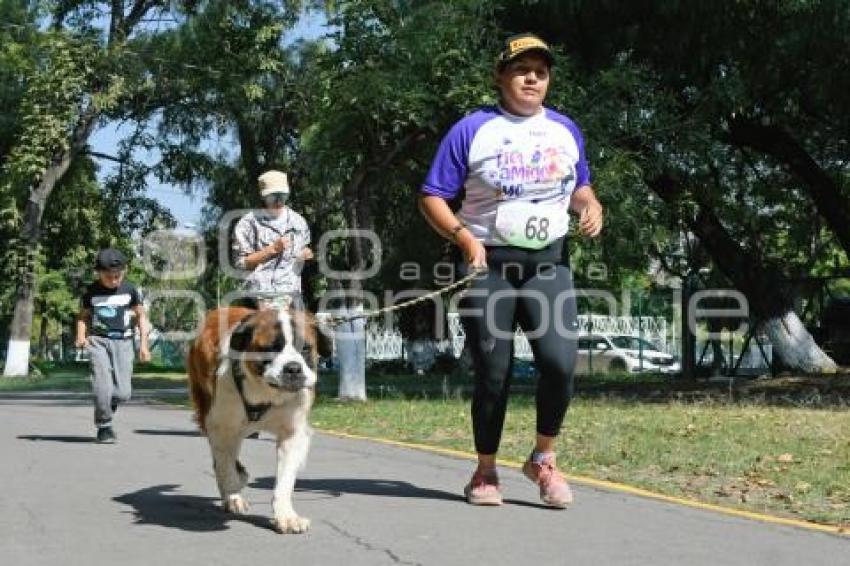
(254, 411)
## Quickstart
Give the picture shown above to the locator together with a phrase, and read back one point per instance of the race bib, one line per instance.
(530, 225)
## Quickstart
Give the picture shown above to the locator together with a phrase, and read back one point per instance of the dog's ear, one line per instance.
(324, 342)
(242, 335)
(324, 339)
(309, 327)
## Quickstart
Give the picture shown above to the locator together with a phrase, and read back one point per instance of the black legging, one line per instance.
(521, 287)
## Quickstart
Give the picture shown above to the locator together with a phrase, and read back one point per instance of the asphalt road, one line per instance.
(151, 500)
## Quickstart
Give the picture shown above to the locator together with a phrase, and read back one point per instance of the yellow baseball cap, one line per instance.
(519, 44)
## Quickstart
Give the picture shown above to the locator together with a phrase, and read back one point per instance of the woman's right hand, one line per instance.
(473, 250)
(440, 217)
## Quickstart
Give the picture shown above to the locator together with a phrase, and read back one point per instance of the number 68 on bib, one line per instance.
(531, 225)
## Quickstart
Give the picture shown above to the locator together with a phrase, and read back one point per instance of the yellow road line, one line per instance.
(613, 486)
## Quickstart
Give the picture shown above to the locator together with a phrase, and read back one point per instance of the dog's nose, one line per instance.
(292, 368)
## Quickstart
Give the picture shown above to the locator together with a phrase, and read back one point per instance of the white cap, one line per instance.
(273, 182)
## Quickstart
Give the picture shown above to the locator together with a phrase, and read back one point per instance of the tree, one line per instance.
(712, 111)
(77, 77)
(43, 154)
(388, 91)
(90, 68)
(771, 302)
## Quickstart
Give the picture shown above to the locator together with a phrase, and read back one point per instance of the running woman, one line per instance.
(522, 167)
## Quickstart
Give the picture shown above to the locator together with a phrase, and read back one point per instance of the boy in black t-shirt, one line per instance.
(105, 329)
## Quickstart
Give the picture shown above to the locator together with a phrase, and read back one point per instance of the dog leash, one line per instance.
(333, 321)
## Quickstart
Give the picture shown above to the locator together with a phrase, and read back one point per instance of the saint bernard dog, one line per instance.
(253, 370)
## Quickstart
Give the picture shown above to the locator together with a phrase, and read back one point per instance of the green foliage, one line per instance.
(16, 62)
(53, 99)
(398, 76)
(59, 79)
(220, 93)
(668, 79)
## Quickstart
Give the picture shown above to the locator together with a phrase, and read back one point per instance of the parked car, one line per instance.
(600, 353)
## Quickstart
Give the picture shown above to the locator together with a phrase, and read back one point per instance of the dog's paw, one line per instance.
(291, 525)
(235, 504)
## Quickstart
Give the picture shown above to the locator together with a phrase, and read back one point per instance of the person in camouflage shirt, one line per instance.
(273, 243)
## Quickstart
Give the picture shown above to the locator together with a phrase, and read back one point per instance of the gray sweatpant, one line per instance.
(111, 372)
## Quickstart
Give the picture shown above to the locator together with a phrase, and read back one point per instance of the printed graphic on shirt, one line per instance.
(111, 309)
(536, 170)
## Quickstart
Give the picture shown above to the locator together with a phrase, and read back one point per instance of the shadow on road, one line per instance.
(57, 438)
(533, 505)
(167, 432)
(336, 487)
(386, 488)
(158, 506)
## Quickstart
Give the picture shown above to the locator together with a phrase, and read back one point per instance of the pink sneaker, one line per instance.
(554, 489)
(483, 489)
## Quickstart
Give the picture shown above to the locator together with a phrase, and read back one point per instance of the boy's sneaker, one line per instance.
(105, 435)
(554, 489)
(483, 489)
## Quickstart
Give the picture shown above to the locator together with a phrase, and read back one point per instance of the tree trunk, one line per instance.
(358, 218)
(247, 148)
(42, 340)
(351, 336)
(769, 299)
(358, 215)
(796, 346)
(351, 351)
(20, 331)
(17, 358)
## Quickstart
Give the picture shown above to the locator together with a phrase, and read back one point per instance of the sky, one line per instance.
(186, 208)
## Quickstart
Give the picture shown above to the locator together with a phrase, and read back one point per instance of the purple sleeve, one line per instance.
(451, 164)
(582, 168)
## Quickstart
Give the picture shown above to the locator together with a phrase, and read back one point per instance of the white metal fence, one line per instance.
(387, 343)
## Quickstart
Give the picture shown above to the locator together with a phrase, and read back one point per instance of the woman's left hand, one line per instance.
(591, 219)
